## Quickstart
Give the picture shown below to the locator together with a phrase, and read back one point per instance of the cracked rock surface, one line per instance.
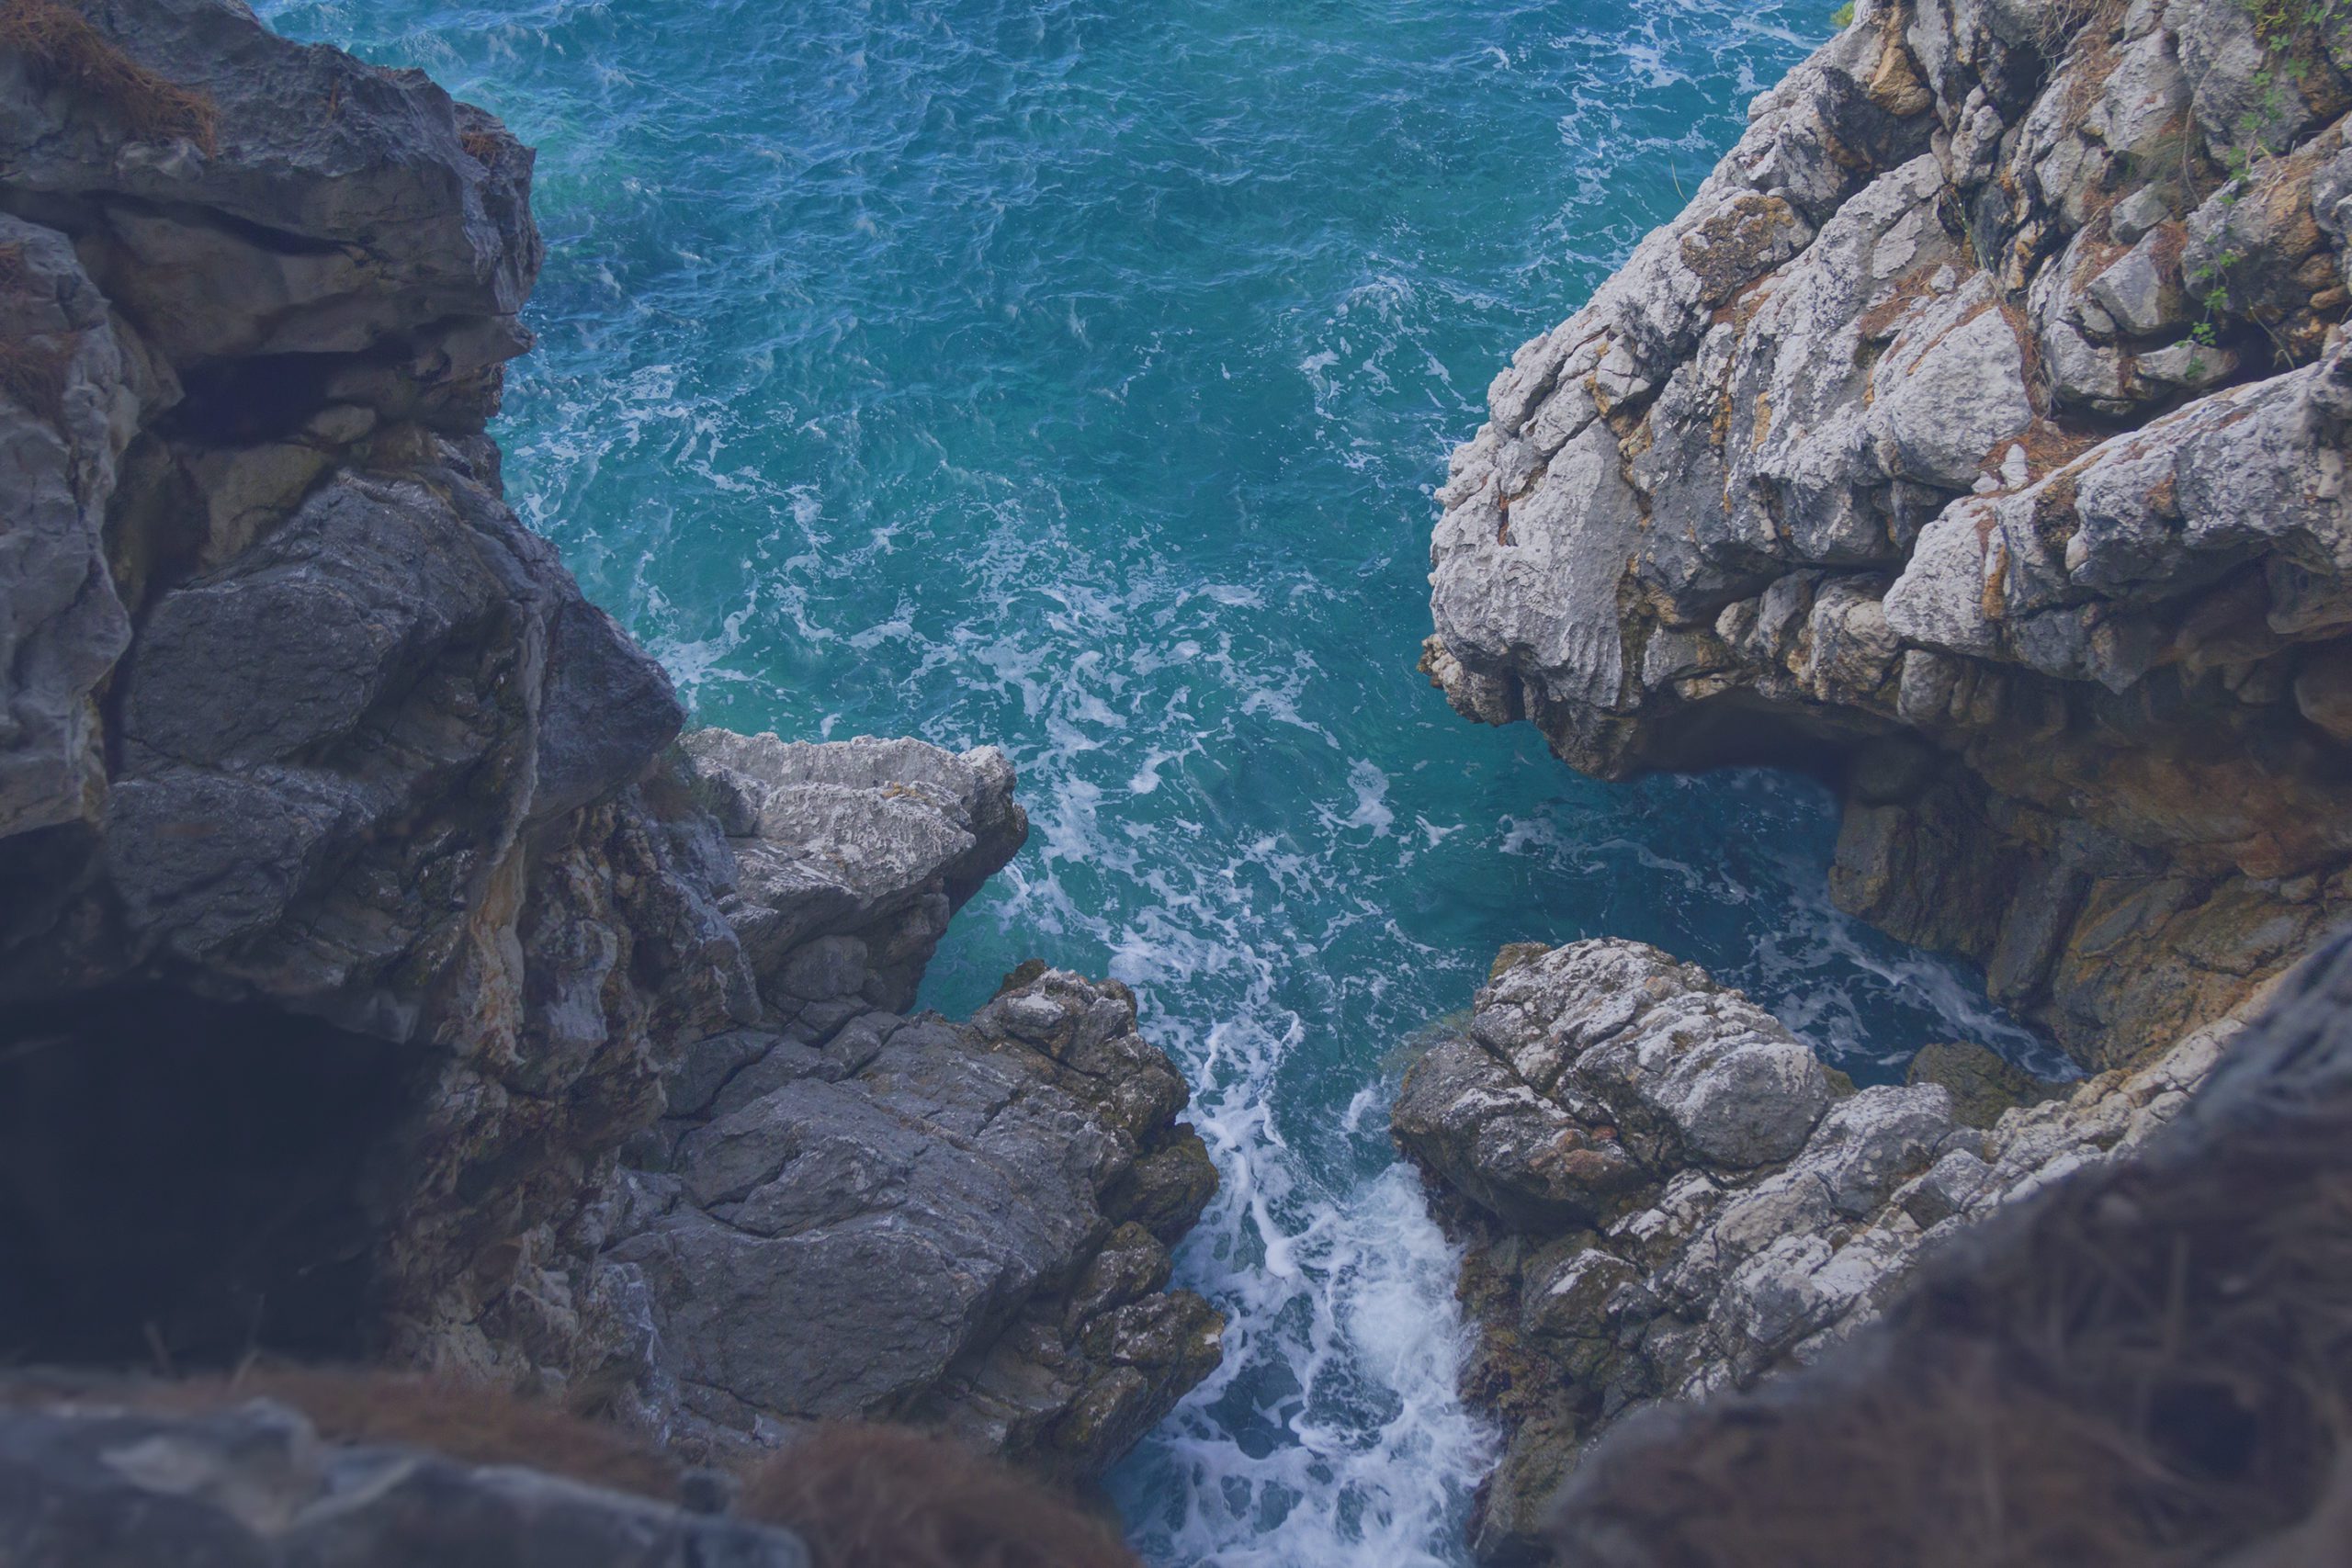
(542, 1046)
(1977, 437)
(1664, 1194)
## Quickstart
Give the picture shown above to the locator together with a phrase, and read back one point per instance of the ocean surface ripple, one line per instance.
(1073, 376)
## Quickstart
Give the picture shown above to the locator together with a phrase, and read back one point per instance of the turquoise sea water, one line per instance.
(1073, 376)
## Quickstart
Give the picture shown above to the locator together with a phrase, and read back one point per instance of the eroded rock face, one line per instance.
(964, 1224)
(1975, 436)
(2076, 1346)
(300, 717)
(1663, 1195)
(306, 741)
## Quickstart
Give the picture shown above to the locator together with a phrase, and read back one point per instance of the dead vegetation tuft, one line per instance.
(871, 1496)
(65, 46)
(481, 144)
(861, 1496)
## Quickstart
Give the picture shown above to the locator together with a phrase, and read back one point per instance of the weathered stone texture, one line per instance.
(1976, 434)
(255, 1487)
(1661, 1197)
(296, 717)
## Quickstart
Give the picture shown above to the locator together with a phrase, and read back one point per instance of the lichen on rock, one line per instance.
(1974, 436)
(1660, 1197)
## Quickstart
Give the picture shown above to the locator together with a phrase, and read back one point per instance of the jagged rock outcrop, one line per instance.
(2142, 1364)
(1664, 1194)
(965, 1226)
(255, 1487)
(1975, 436)
(850, 1213)
(357, 907)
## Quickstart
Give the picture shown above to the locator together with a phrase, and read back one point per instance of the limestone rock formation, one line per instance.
(2140, 1364)
(255, 1487)
(357, 907)
(1662, 1196)
(1974, 436)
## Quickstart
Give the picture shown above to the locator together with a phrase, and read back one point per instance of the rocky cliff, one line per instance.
(1974, 439)
(1663, 1193)
(379, 975)
(2144, 1364)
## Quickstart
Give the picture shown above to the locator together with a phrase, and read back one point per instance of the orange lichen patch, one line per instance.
(1896, 84)
(870, 1497)
(62, 46)
(1994, 601)
(1735, 242)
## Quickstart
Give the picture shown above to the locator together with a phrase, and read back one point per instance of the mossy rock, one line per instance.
(1982, 1085)
(1513, 955)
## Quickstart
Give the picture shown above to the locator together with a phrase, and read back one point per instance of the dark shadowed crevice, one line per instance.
(191, 1181)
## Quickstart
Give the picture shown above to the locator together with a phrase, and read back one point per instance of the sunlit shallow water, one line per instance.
(1074, 377)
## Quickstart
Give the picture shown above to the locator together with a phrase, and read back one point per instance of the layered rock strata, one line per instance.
(359, 903)
(1975, 437)
(1664, 1194)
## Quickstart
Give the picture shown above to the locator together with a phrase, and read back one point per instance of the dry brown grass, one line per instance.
(862, 1496)
(887, 1498)
(62, 45)
(482, 146)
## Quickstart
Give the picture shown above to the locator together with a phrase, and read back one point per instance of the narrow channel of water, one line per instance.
(1073, 375)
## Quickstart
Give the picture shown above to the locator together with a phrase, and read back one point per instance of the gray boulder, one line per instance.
(965, 1226)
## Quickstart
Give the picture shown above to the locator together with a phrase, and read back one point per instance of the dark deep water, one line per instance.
(1073, 376)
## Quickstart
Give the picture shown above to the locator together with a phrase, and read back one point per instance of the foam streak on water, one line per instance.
(1073, 375)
